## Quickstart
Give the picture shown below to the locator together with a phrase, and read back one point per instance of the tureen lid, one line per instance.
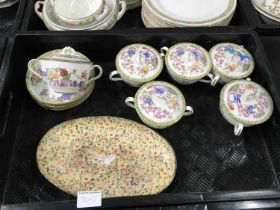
(246, 102)
(139, 63)
(67, 54)
(232, 61)
(188, 61)
(160, 104)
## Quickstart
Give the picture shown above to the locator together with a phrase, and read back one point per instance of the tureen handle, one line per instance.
(37, 7)
(113, 74)
(189, 111)
(238, 128)
(130, 102)
(163, 51)
(213, 79)
(98, 76)
(123, 10)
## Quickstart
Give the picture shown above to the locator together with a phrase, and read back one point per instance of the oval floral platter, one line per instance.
(116, 156)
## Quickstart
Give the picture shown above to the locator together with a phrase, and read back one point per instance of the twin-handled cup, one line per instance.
(231, 62)
(244, 103)
(65, 76)
(159, 104)
(137, 64)
(188, 63)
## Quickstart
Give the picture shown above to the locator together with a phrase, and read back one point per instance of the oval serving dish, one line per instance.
(116, 156)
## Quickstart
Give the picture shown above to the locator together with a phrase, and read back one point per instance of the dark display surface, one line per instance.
(213, 164)
(10, 17)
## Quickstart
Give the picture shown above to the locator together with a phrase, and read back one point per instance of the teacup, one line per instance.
(231, 62)
(77, 12)
(244, 103)
(65, 76)
(188, 63)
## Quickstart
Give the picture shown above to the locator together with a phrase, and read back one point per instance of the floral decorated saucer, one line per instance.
(159, 104)
(137, 64)
(231, 61)
(244, 103)
(188, 63)
(116, 156)
(45, 96)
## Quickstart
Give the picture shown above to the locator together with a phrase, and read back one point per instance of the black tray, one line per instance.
(272, 45)
(11, 17)
(213, 164)
(132, 19)
(263, 27)
(2, 48)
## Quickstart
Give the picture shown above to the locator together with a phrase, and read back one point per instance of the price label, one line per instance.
(86, 199)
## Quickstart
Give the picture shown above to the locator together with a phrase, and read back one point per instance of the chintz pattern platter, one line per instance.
(113, 155)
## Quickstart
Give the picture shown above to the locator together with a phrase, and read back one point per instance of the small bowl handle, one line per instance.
(213, 79)
(189, 111)
(113, 78)
(130, 102)
(37, 7)
(238, 128)
(98, 76)
(163, 51)
(29, 65)
(122, 11)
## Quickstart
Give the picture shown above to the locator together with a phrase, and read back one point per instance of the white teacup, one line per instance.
(65, 76)
(77, 12)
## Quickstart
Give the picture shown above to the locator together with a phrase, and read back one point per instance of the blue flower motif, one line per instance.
(159, 90)
(229, 49)
(251, 109)
(243, 57)
(148, 101)
(196, 53)
(237, 98)
(131, 52)
(180, 52)
(44, 74)
(147, 54)
(65, 96)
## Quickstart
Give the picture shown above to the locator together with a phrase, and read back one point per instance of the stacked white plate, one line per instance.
(187, 13)
(7, 3)
(132, 4)
(268, 9)
(111, 12)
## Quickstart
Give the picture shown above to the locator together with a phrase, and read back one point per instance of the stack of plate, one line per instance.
(103, 17)
(132, 4)
(7, 3)
(268, 9)
(191, 13)
(46, 97)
